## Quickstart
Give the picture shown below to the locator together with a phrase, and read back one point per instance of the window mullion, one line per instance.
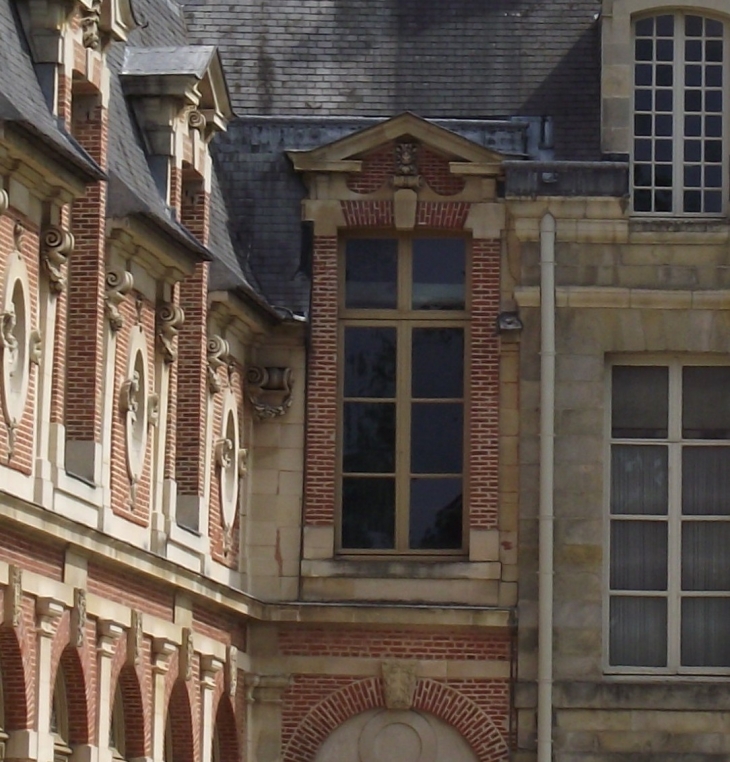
(403, 437)
(674, 579)
(678, 125)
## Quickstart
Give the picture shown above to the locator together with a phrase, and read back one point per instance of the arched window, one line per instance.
(680, 88)
(59, 719)
(117, 730)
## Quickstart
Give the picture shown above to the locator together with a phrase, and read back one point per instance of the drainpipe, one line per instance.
(547, 468)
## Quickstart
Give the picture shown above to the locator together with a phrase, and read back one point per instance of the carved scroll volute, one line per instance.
(218, 356)
(170, 318)
(119, 283)
(56, 247)
(269, 391)
(4, 201)
(399, 683)
(197, 121)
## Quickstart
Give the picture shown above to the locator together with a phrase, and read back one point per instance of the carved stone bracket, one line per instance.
(78, 618)
(119, 283)
(197, 121)
(266, 689)
(218, 355)
(187, 654)
(210, 666)
(4, 201)
(36, 347)
(108, 634)
(48, 610)
(56, 247)
(269, 391)
(231, 670)
(170, 318)
(90, 21)
(399, 683)
(13, 600)
(135, 637)
(162, 651)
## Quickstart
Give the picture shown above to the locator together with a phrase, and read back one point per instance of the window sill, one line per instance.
(671, 223)
(415, 567)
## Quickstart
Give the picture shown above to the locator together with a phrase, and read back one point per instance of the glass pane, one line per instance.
(638, 555)
(638, 632)
(664, 50)
(713, 50)
(368, 513)
(663, 150)
(436, 438)
(639, 402)
(692, 201)
(705, 632)
(371, 270)
(439, 270)
(713, 75)
(693, 75)
(643, 99)
(664, 75)
(642, 201)
(705, 557)
(436, 514)
(642, 175)
(706, 481)
(645, 27)
(713, 201)
(369, 437)
(706, 403)
(438, 362)
(643, 74)
(639, 480)
(664, 26)
(663, 201)
(693, 26)
(644, 50)
(370, 362)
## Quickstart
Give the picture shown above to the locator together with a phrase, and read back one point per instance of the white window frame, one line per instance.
(675, 363)
(678, 137)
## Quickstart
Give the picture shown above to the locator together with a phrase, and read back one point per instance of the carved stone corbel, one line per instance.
(399, 683)
(119, 283)
(13, 599)
(218, 355)
(135, 637)
(78, 618)
(187, 654)
(197, 121)
(18, 233)
(56, 247)
(4, 201)
(90, 21)
(170, 318)
(269, 391)
(36, 347)
(108, 634)
(231, 670)
(162, 651)
(243, 461)
(210, 666)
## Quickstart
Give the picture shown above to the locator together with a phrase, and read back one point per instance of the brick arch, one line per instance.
(80, 726)
(136, 732)
(180, 721)
(225, 729)
(438, 699)
(14, 683)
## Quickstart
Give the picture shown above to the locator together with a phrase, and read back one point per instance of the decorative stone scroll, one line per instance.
(4, 201)
(269, 391)
(13, 600)
(56, 246)
(169, 320)
(399, 683)
(197, 121)
(119, 283)
(218, 356)
(135, 638)
(78, 618)
(134, 406)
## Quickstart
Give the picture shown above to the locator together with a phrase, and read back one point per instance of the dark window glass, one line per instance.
(705, 627)
(706, 481)
(639, 480)
(692, 150)
(713, 101)
(642, 150)
(713, 50)
(638, 632)
(439, 269)
(368, 513)
(642, 175)
(371, 271)
(436, 438)
(643, 124)
(644, 50)
(713, 177)
(663, 201)
(639, 555)
(713, 201)
(692, 201)
(664, 50)
(663, 150)
(642, 201)
(642, 100)
(645, 27)
(693, 75)
(663, 123)
(663, 176)
(369, 437)
(438, 363)
(664, 26)
(713, 150)
(436, 514)
(713, 76)
(370, 362)
(706, 403)
(693, 26)
(693, 50)
(640, 402)
(693, 126)
(713, 126)
(693, 176)
(643, 74)
(664, 75)
(705, 560)
(664, 100)
(693, 100)
(713, 28)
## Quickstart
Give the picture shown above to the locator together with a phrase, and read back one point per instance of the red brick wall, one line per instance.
(435, 171)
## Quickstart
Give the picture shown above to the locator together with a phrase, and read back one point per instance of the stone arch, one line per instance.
(136, 734)
(438, 699)
(179, 726)
(225, 735)
(77, 699)
(14, 684)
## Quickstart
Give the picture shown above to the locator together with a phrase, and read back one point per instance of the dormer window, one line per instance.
(679, 154)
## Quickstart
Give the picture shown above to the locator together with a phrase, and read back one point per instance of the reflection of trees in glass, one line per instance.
(445, 532)
(370, 362)
(369, 437)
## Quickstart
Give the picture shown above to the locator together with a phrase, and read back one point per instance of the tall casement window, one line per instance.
(403, 330)
(680, 86)
(669, 576)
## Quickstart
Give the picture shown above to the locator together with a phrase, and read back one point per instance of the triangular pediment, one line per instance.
(345, 154)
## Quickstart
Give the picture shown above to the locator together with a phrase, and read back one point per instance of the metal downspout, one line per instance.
(547, 468)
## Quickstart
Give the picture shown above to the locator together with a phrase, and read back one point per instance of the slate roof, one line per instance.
(479, 59)
(23, 105)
